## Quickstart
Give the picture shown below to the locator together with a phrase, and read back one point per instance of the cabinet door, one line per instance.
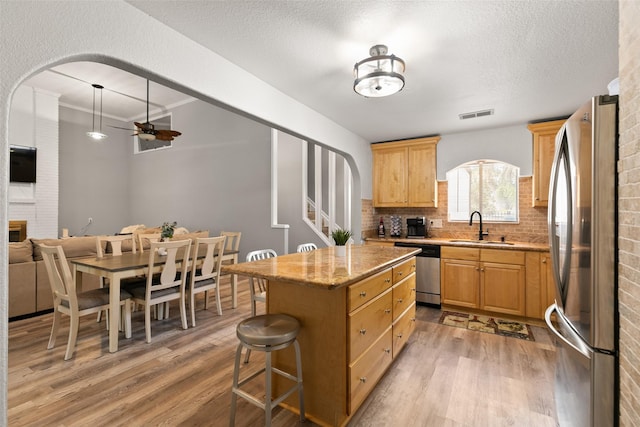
(422, 176)
(390, 177)
(544, 140)
(502, 288)
(460, 282)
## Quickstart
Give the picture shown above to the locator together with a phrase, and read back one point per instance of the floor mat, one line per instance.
(491, 325)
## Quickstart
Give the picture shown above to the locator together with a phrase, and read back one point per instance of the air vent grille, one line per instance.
(473, 115)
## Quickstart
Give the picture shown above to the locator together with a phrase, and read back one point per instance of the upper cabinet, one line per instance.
(404, 173)
(544, 142)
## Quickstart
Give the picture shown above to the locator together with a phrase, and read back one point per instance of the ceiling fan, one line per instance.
(147, 130)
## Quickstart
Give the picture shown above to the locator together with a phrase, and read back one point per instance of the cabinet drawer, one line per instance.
(453, 252)
(403, 328)
(502, 256)
(403, 270)
(367, 370)
(367, 289)
(403, 294)
(367, 323)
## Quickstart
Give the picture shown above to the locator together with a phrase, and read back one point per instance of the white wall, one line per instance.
(512, 145)
(35, 124)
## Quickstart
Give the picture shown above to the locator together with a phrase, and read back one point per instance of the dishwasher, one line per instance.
(427, 273)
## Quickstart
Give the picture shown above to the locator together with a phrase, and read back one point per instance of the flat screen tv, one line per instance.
(22, 166)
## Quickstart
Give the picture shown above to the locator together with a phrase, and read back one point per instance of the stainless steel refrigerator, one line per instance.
(583, 242)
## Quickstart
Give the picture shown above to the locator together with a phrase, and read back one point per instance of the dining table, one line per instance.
(129, 265)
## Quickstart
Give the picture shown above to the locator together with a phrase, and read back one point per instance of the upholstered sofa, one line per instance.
(29, 289)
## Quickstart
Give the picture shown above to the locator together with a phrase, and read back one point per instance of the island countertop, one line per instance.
(322, 267)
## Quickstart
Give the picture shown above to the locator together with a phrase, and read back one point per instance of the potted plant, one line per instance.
(167, 230)
(341, 237)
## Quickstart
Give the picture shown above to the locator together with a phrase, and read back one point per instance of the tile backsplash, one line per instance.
(531, 228)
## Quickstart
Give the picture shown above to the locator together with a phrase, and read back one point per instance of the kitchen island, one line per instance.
(356, 311)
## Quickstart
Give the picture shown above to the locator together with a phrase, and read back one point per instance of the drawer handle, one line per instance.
(544, 260)
(387, 280)
(413, 289)
(413, 319)
(413, 266)
(387, 350)
(363, 380)
(387, 310)
(400, 335)
(363, 331)
(399, 273)
(363, 294)
(477, 269)
(400, 300)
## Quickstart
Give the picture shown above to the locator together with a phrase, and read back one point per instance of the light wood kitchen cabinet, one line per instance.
(404, 173)
(544, 139)
(540, 285)
(502, 281)
(486, 279)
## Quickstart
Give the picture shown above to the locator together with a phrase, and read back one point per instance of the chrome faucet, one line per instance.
(481, 233)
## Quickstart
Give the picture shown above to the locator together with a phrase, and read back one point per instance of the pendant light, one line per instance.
(97, 134)
(379, 75)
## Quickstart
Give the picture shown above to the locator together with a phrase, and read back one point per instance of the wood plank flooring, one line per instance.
(445, 376)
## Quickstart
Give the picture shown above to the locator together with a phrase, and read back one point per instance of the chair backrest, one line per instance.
(209, 268)
(116, 244)
(145, 239)
(306, 247)
(61, 280)
(261, 254)
(233, 240)
(259, 282)
(171, 275)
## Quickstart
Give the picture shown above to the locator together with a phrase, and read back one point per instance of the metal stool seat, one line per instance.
(267, 333)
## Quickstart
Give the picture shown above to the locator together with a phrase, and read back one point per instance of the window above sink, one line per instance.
(488, 186)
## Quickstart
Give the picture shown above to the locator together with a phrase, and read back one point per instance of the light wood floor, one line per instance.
(445, 376)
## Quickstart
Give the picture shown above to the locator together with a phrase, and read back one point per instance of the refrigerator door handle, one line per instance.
(576, 343)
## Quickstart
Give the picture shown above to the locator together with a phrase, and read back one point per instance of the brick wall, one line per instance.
(532, 226)
(629, 213)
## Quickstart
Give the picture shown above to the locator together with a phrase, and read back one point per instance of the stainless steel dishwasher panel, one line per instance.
(428, 280)
(427, 273)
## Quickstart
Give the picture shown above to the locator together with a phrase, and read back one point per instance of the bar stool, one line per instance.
(267, 333)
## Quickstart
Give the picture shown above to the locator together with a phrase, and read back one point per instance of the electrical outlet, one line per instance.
(90, 220)
(436, 223)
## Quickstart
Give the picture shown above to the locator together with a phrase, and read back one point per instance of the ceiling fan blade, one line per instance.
(118, 127)
(168, 132)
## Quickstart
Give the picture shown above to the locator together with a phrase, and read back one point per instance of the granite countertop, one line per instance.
(322, 268)
(485, 244)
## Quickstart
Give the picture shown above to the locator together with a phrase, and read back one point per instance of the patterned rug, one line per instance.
(491, 325)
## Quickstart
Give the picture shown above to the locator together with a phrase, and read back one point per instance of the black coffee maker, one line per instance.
(416, 228)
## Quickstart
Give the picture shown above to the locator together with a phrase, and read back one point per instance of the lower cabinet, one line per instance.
(486, 279)
(540, 284)
(403, 327)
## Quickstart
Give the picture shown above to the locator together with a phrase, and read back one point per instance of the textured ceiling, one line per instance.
(526, 60)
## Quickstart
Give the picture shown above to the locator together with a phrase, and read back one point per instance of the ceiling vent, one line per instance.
(482, 113)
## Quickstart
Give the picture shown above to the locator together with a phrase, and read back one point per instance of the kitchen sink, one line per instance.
(480, 242)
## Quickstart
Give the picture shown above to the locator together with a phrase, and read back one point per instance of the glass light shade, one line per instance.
(147, 136)
(380, 75)
(96, 135)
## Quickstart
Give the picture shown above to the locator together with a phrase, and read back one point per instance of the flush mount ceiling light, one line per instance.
(379, 75)
(97, 134)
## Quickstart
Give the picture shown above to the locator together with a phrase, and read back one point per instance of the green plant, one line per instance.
(340, 236)
(167, 230)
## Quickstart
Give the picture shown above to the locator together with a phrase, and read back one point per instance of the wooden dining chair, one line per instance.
(306, 247)
(205, 273)
(145, 239)
(258, 285)
(167, 285)
(115, 243)
(65, 299)
(233, 240)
